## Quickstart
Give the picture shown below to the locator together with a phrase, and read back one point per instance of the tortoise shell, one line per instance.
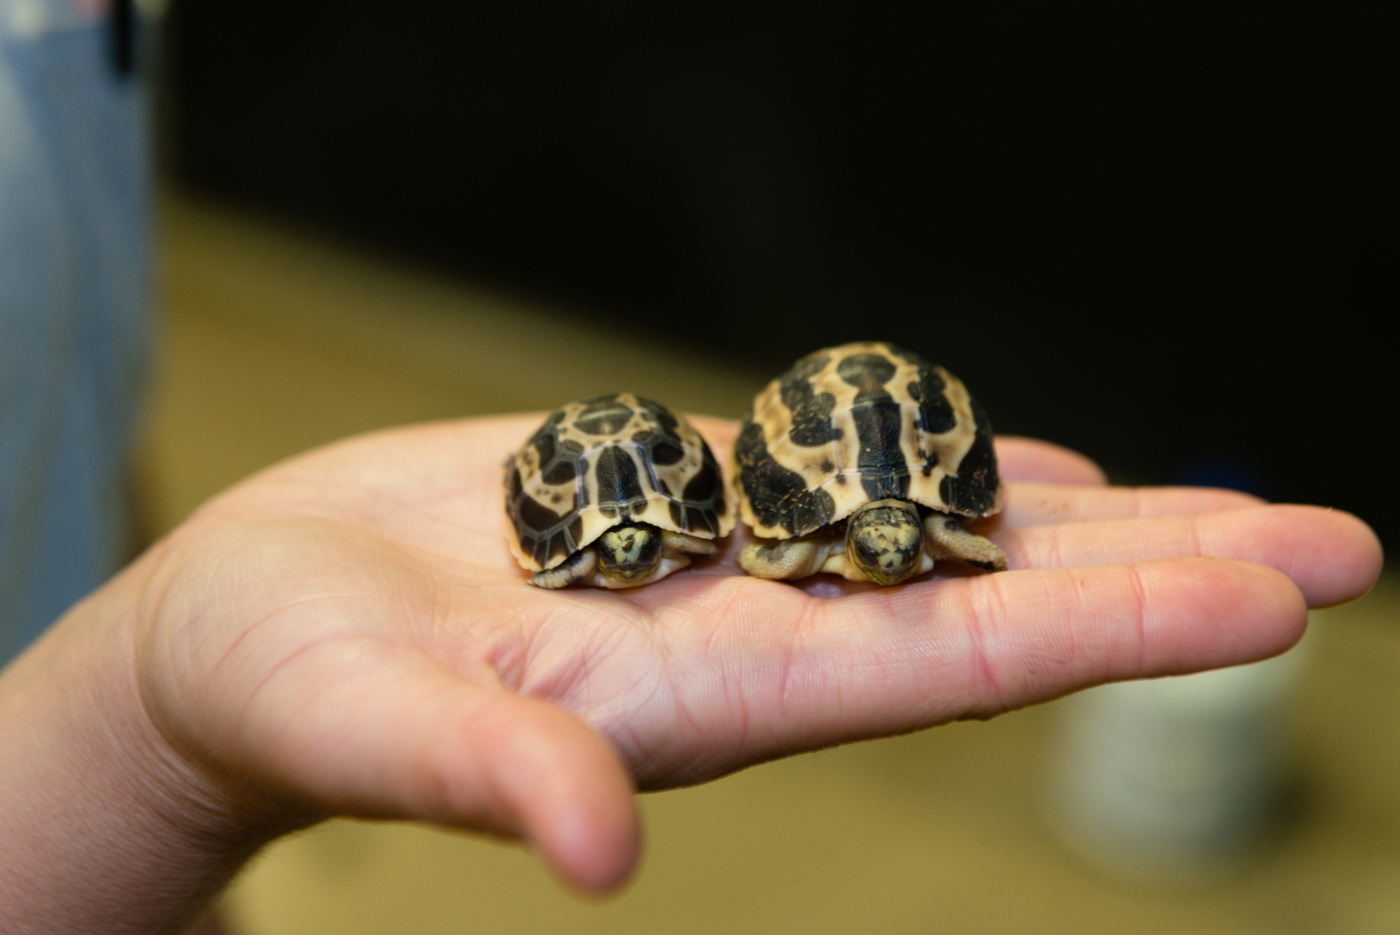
(600, 462)
(856, 423)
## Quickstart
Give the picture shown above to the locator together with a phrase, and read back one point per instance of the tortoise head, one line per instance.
(629, 553)
(885, 539)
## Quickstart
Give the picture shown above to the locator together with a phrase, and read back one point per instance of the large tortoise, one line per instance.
(615, 491)
(864, 460)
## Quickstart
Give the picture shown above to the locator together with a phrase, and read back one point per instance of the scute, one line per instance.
(599, 462)
(861, 422)
(770, 495)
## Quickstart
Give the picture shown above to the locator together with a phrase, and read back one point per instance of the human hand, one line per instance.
(347, 633)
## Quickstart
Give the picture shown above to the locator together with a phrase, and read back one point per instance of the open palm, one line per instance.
(347, 632)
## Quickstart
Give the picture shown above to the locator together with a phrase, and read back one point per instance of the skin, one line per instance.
(346, 633)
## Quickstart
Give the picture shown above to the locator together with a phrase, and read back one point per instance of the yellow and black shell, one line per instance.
(601, 462)
(861, 422)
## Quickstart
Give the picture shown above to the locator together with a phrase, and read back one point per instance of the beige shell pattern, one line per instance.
(861, 422)
(597, 463)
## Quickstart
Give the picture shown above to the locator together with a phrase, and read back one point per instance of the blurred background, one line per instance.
(1164, 235)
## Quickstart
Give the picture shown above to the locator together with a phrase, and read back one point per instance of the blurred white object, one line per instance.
(1172, 779)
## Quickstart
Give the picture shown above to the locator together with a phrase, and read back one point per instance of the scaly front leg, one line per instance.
(792, 558)
(581, 566)
(945, 537)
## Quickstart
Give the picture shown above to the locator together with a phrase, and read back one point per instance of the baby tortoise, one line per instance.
(615, 491)
(862, 459)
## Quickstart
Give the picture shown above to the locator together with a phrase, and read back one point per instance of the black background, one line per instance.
(1163, 234)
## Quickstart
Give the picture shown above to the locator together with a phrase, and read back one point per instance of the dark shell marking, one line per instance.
(600, 462)
(857, 423)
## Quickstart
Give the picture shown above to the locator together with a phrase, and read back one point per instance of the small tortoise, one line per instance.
(615, 491)
(861, 459)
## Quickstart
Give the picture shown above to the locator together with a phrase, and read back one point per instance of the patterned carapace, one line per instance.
(861, 422)
(601, 462)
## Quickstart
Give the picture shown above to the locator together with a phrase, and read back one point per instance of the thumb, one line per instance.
(377, 731)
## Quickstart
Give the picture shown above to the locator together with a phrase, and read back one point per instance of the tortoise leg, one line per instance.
(945, 537)
(577, 567)
(677, 544)
(791, 558)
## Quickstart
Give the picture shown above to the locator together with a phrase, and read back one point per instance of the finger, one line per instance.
(1003, 641)
(1029, 459)
(719, 433)
(1331, 556)
(1035, 504)
(354, 727)
(787, 673)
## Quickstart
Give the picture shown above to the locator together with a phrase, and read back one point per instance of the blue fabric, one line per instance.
(74, 286)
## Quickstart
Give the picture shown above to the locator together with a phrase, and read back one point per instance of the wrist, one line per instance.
(106, 824)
